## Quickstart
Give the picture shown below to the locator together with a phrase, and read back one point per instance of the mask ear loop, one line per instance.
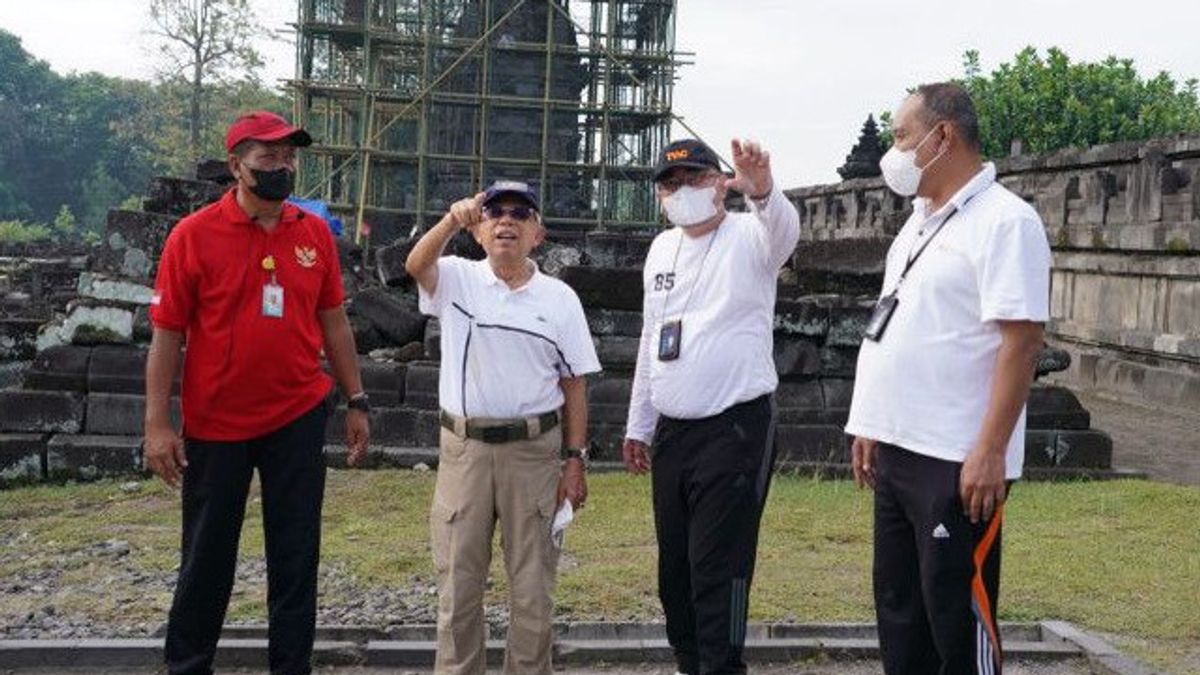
(936, 157)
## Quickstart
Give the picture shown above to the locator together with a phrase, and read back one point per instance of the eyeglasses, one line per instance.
(497, 212)
(691, 178)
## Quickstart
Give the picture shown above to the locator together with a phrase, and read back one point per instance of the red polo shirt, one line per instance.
(246, 374)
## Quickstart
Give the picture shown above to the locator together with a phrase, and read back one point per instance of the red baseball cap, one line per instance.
(266, 126)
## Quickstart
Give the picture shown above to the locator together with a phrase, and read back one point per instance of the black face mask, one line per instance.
(273, 186)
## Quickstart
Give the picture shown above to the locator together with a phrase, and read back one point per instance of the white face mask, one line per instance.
(689, 206)
(900, 170)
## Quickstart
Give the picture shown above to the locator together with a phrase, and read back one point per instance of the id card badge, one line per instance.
(669, 337)
(884, 309)
(272, 301)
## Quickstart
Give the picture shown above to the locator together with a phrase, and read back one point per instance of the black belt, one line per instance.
(518, 429)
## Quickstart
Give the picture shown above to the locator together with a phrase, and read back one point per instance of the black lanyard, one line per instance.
(914, 255)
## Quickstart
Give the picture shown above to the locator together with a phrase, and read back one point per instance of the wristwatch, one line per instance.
(574, 453)
(359, 402)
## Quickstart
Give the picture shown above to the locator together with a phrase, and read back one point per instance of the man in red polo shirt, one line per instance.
(253, 285)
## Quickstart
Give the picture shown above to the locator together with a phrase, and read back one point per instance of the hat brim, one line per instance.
(511, 193)
(299, 137)
(663, 170)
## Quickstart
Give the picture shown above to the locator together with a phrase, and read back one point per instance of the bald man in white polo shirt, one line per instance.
(938, 413)
(515, 350)
(703, 391)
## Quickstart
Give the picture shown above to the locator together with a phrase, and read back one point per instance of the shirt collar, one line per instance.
(978, 183)
(490, 278)
(234, 214)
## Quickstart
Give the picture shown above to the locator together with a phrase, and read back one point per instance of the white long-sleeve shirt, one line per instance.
(726, 303)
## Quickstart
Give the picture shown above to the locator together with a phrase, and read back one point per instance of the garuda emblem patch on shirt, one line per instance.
(306, 256)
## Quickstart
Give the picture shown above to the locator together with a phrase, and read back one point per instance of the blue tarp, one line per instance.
(320, 209)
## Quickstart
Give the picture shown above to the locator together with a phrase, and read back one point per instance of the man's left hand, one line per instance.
(981, 484)
(358, 435)
(573, 484)
(752, 170)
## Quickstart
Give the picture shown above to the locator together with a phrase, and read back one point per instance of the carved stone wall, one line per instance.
(1124, 222)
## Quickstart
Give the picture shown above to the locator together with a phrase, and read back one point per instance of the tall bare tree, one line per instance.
(206, 41)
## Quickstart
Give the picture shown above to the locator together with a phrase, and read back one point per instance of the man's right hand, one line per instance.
(163, 449)
(636, 455)
(862, 452)
(468, 212)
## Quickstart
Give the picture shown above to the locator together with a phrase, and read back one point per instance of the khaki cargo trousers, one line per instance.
(479, 484)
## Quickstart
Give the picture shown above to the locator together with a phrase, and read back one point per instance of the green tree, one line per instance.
(1051, 102)
(202, 42)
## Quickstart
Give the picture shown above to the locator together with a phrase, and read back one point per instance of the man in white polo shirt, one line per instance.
(515, 350)
(703, 391)
(938, 413)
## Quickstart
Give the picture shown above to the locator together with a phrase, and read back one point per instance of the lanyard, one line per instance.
(913, 255)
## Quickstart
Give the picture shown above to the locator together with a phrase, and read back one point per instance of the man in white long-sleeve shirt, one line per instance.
(703, 391)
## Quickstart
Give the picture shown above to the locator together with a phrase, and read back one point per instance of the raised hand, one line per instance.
(468, 212)
(752, 170)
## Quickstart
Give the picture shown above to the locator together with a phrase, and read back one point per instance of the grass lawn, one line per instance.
(1121, 558)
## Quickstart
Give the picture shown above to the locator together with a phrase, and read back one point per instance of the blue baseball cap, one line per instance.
(513, 188)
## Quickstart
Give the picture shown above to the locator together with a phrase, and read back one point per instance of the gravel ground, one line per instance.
(1164, 443)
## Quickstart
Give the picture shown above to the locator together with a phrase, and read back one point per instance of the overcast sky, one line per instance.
(799, 75)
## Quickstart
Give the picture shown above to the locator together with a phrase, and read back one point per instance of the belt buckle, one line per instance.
(494, 434)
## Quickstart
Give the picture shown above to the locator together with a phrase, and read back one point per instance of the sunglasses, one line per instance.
(496, 212)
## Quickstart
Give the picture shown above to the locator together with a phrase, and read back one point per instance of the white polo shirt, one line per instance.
(725, 355)
(926, 385)
(504, 350)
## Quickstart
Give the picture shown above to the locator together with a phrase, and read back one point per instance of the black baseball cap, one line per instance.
(689, 153)
(514, 188)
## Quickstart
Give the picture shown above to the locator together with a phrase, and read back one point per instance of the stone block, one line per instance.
(839, 361)
(118, 369)
(87, 324)
(389, 426)
(21, 458)
(606, 287)
(609, 390)
(553, 258)
(18, 338)
(389, 264)
(846, 325)
(121, 414)
(1051, 407)
(617, 353)
(12, 374)
(180, 196)
(101, 287)
(614, 322)
(41, 411)
(812, 443)
(366, 337)
(383, 382)
(133, 241)
(1068, 449)
(799, 395)
(613, 249)
(88, 457)
(837, 392)
(397, 319)
(62, 368)
(796, 357)
(834, 416)
(801, 317)
(607, 413)
(433, 339)
(421, 385)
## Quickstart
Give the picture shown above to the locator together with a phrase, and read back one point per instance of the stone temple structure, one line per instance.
(1124, 222)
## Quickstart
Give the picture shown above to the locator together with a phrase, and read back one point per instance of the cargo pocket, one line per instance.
(441, 534)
